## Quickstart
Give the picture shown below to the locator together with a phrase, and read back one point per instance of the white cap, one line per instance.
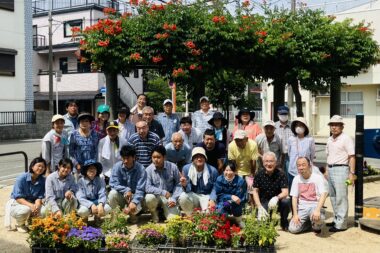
(167, 101)
(240, 134)
(57, 117)
(203, 98)
(269, 123)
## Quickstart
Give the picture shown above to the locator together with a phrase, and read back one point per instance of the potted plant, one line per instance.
(116, 243)
(260, 235)
(51, 231)
(117, 222)
(179, 231)
(149, 237)
(87, 238)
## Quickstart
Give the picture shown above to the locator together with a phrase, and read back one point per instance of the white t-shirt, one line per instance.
(308, 190)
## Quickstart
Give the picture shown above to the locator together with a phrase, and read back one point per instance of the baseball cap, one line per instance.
(167, 101)
(240, 134)
(203, 98)
(283, 109)
(269, 123)
(57, 117)
(113, 124)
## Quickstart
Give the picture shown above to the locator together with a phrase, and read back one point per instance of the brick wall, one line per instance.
(28, 131)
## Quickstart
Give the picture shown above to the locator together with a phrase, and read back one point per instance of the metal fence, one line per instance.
(43, 5)
(16, 118)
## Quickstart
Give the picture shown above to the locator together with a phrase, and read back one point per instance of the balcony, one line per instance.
(73, 81)
(39, 41)
(42, 6)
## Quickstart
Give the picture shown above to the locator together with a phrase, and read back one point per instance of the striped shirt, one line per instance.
(200, 120)
(170, 124)
(304, 147)
(144, 148)
(284, 132)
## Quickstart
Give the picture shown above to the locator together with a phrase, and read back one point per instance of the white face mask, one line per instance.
(300, 130)
(283, 118)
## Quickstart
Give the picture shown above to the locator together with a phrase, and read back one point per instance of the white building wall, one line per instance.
(12, 34)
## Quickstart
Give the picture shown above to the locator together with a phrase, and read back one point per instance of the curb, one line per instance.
(373, 178)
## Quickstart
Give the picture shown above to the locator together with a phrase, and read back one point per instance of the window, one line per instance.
(351, 103)
(71, 24)
(7, 62)
(63, 65)
(7, 5)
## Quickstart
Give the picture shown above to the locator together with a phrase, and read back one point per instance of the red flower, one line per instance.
(108, 11)
(245, 3)
(192, 67)
(162, 36)
(127, 14)
(245, 17)
(157, 7)
(171, 27)
(199, 67)
(196, 52)
(82, 42)
(103, 43)
(190, 44)
(75, 29)
(157, 59)
(260, 40)
(135, 57)
(363, 29)
(261, 33)
(215, 19)
(134, 2)
(176, 73)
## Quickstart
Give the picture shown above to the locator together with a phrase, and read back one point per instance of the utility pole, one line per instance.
(51, 104)
(290, 90)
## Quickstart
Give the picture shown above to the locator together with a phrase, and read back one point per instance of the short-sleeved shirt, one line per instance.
(200, 120)
(243, 156)
(170, 124)
(269, 185)
(144, 148)
(193, 139)
(284, 131)
(308, 190)
(219, 152)
(180, 157)
(275, 145)
(339, 149)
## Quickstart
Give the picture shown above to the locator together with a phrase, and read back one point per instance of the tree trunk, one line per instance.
(198, 92)
(297, 95)
(278, 96)
(335, 96)
(111, 93)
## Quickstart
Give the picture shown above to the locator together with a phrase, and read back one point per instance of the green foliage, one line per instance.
(179, 229)
(260, 232)
(115, 223)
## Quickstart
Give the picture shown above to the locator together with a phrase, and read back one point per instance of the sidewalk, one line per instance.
(354, 240)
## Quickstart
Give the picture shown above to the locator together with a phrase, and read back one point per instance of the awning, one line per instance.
(65, 95)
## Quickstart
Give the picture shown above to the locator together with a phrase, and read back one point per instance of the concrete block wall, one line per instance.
(28, 131)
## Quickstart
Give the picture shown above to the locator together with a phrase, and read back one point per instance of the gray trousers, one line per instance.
(339, 195)
(153, 201)
(22, 212)
(304, 215)
(116, 199)
(84, 212)
(191, 200)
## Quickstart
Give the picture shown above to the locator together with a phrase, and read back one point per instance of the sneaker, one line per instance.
(330, 224)
(334, 229)
(22, 229)
(318, 231)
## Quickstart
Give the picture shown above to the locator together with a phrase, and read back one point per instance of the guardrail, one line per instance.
(16, 153)
(15, 118)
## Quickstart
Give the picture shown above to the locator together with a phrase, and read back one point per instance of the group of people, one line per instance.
(169, 165)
